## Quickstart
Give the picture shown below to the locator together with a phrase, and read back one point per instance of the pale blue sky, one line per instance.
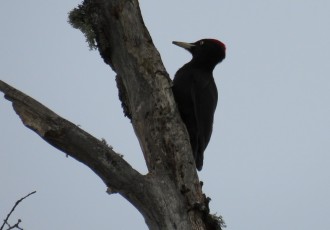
(267, 165)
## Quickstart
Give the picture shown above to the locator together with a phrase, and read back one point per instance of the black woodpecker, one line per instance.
(196, 94)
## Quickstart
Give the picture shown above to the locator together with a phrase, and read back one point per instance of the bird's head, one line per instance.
(206, 52)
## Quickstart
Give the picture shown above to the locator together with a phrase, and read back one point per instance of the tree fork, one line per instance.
(170, 195)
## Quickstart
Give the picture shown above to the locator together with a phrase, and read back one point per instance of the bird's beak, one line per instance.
(184, 45)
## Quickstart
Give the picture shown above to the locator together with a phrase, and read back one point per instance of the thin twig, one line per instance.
(15, 225)
(12, 210)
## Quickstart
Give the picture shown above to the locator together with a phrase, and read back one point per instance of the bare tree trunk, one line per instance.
(170, 195)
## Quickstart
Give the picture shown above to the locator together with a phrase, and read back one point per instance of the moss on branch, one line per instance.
(82, 18)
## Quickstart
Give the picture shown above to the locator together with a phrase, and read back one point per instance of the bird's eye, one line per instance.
(201, 42)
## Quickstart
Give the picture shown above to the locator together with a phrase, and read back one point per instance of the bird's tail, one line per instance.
(199, 161)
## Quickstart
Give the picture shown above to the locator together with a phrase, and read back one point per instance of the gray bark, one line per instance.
(170, 195)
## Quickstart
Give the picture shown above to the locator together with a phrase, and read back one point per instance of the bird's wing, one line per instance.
(195, 139)
(200, 145)
(204, 95)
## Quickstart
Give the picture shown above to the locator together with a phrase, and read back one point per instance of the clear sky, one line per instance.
(268, 163)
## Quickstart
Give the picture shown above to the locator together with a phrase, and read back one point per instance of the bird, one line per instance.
(196, 94)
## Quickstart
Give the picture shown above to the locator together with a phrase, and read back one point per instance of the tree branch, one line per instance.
(69, 138)
(12, 210)
(145, 89)
(170, 195)
(125, 44)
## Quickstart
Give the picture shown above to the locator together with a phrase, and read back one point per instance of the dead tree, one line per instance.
(170, 196)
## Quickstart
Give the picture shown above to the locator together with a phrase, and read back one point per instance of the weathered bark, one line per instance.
(170, 195)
